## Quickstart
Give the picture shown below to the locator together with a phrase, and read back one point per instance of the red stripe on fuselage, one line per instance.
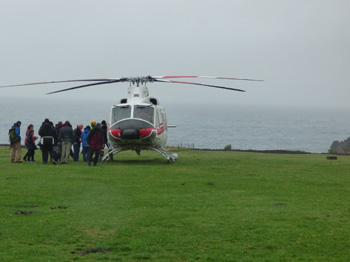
(117, 133)
(146, 132)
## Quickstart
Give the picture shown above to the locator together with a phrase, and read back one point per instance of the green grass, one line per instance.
(207, 206)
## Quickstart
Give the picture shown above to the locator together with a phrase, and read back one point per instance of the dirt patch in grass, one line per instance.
(91, 251)
(59, 207)
(24, 212)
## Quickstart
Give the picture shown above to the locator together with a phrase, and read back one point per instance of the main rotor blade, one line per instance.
(93, 84)
(199, 84)
(210, 77)
(66, 81)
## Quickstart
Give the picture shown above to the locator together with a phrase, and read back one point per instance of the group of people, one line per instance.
(56, 142)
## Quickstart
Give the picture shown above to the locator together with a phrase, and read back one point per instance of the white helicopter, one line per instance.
(138, 122)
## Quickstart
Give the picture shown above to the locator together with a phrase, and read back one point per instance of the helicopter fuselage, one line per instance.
(138, 123)
(137, 126)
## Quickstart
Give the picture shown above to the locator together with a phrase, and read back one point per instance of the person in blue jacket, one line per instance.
(83, 140)
(15, 141)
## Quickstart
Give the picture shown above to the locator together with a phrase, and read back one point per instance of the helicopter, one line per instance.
(138, 122)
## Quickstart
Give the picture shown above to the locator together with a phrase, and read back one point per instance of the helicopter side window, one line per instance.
(160, 116)
(144, 112)
(158, 119)
(121, 112)
(163, 117)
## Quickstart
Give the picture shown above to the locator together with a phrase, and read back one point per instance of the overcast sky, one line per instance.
(301, 48)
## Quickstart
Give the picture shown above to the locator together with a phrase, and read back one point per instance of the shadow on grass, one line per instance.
(153, 162)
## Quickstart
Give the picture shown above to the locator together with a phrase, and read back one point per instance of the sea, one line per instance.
(201, 126)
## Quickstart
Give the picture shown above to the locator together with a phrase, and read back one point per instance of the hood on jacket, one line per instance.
(47, 122)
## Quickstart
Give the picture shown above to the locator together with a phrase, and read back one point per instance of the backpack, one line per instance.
(12, 136)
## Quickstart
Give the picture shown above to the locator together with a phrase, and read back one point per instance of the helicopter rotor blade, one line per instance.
(136, 80)
(209, 77)
(199, 84)
(81, 86)
(66, 81)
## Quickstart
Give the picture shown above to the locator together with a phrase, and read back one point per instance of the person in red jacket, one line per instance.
(95, 143)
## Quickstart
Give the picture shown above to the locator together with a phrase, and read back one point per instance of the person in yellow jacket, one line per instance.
(92, 124)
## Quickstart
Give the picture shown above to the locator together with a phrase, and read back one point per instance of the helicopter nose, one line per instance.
(130, 134)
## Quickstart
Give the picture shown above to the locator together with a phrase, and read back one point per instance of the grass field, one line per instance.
(207, 206)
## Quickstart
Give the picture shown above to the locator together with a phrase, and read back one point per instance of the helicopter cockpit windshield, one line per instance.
(144, 112)
(120, 112)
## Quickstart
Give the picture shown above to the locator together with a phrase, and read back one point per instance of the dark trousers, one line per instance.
(76, 152)
(25, 158)
(95, 152)
(46, 151)
(31, 153)
(85, 153)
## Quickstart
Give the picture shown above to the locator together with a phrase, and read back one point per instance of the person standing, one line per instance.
(66, 138)
(30, 127)
(95, 143)
(92, 124)
(83, 140)
(104, 137)
(57, 150)
(77, 134)
(48, 135)
(31, 145)
(15, 142)
(58, 127)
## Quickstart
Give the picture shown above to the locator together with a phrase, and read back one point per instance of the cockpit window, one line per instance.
(120, 112)
(144, 112)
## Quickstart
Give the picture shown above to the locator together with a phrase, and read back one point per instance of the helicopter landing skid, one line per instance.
(170, 158)
(111, 153)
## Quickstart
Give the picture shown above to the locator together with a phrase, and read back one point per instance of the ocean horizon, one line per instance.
(201, 126)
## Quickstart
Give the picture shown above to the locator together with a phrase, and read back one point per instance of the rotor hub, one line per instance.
(140, 80)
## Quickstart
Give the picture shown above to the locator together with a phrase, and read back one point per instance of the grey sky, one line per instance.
(300, 48)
